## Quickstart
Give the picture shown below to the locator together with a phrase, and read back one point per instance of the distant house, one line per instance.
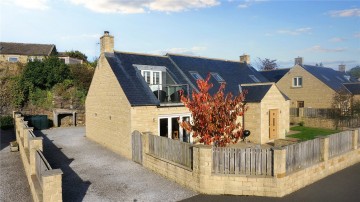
(69, 60)
(310, 86)
(23, 52)
(132, 91)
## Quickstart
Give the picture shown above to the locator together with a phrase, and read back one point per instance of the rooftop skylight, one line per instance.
(217, 77)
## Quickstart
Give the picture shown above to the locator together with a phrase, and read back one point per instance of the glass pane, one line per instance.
(164, 127)
(300, 81)
(186, 135)
(156, 78)
(175, 128)
(147, 76)
(295, 82)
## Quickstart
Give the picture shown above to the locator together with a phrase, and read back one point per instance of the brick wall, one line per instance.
(313, 92)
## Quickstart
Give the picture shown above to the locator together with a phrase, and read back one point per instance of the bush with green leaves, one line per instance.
(6, 122)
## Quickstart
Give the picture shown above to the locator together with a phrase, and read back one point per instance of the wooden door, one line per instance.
(273, 123)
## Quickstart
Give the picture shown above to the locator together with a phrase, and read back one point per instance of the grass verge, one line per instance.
(307, 133)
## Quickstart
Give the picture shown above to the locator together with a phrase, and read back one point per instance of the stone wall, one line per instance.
(200, 178)
(108, 112)
(50, 187)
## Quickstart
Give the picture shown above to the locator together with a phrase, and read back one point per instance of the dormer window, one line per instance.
(196, 75)
(217, 77)
(254, 78)
(151, 77)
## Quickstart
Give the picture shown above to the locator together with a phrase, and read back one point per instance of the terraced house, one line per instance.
(132, 91)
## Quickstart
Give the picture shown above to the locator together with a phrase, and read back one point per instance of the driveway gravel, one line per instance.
(93, 173)
(13, 182)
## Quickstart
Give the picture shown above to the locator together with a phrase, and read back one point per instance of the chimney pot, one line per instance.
(299, 61)
(106, 43)
(342, 68)
(245, 59)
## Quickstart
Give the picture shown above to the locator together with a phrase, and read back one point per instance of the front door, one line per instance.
(273, 123)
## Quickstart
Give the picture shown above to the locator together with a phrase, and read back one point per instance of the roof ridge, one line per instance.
(144, 54)
(275, 69)
(28, 43)
(201, 57)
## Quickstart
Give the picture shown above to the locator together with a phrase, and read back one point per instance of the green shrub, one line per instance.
(6, 122)
(301, 123)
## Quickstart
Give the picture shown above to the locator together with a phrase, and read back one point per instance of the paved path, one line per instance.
(93, 173)
(343, 186)
(13, 182)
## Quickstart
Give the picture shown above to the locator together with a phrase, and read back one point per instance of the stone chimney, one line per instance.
(299, 61)
(245, 59)
(106, 43)
(342, 68)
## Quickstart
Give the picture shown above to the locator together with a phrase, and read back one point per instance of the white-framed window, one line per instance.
(196, 75)
(151, 77)
(168, 126)
(254, 78)
(13, 59)
(217, 77)
(297, 81)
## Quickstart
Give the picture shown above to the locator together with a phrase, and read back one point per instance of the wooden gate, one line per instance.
(273, 123)
(136, 147)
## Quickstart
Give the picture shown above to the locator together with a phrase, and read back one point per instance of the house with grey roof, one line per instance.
(23, 52)
(313, 86)
(134, 91)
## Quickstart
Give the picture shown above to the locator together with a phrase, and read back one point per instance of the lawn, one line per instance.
(307, 133)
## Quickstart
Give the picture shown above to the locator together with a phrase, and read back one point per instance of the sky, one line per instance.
(321, 31)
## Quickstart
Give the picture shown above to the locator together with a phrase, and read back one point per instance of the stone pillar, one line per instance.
(301, 112)
(324, 148)
(355, 138)
(279, 162)
(202, 163)
(55, 119)
(74, 118)
(35, 144)
(26, 136)
(52, 182)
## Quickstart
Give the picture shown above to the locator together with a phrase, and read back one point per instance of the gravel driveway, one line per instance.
(13, 182)
(93, 173)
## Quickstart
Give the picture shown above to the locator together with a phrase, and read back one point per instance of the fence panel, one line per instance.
(239, 161)
(294, 112)
(358, 137)
(136, 147)
(172, 150)
(319, 113)
(41, 165)
(340, 143)
(302, 155)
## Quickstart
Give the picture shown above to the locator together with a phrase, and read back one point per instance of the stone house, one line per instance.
(23, 52)
(132, 91)
(311, 86)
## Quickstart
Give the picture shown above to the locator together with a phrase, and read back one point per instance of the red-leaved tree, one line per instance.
(215, 118)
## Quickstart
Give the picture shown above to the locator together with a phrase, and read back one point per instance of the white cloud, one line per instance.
(248, 3)
(318, 48)
(29, 4)
(141, 6)
(346, 13)
(303, 30)
(337, 39)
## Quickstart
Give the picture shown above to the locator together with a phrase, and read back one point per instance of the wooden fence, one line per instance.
(319, 113)
(340, 143)
(302, 155)
(41, 165)
(358, 137)
(172, 150)
(249, 161)
(294, 112)
(136, 146)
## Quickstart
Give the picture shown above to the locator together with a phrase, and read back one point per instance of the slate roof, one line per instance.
(26, 49)
(178, 66)
(233, 72)
(332, 78)
(274, 75)
(354, 88)
(256, 93)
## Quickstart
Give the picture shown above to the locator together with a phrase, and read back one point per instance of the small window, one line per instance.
(146, 75)
(297, 82)
(217, 77)
(196, 75)
(156, 77)
(254, 78)
(300, 104)
(13, 59)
